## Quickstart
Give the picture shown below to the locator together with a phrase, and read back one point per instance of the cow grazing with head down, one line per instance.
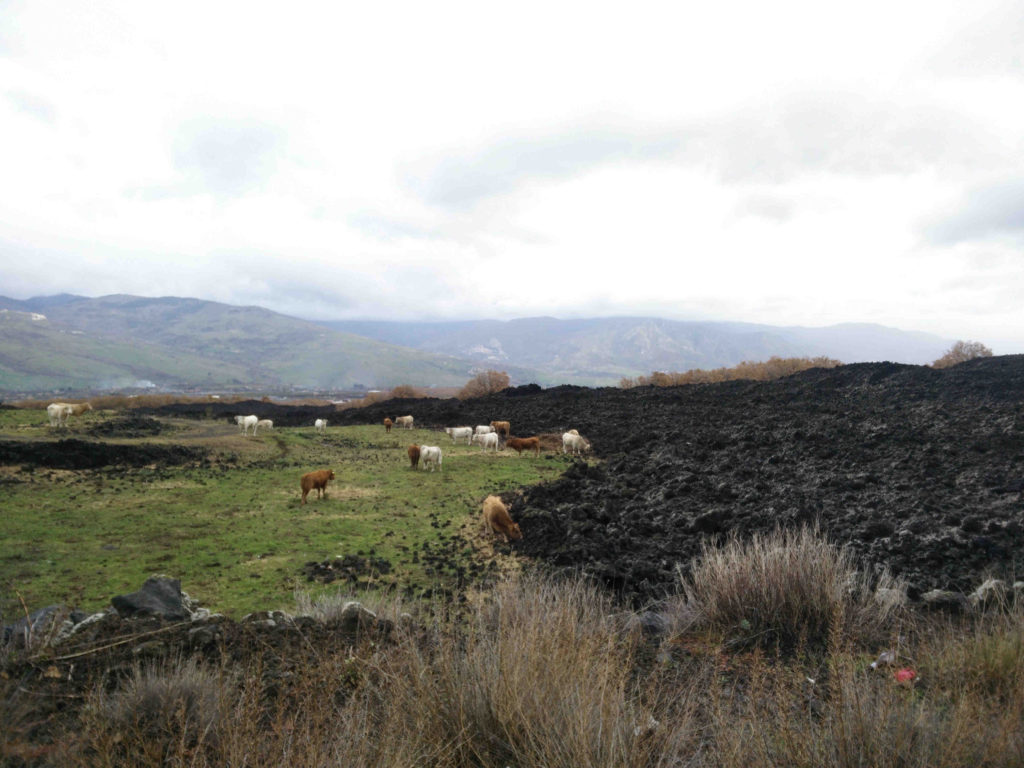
(404, 421)
(414, 455)
(316, 481)
(496, 518)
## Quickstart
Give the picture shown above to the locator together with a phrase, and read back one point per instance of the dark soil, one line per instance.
(916, 469)
(128, 425)
(85, 454)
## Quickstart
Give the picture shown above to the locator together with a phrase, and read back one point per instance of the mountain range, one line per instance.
(73, 343)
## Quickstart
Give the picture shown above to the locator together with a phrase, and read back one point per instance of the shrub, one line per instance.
(773, 368)
(162, 709)
(961, 352)
(783, 588)
(485, 383)
(403, 390)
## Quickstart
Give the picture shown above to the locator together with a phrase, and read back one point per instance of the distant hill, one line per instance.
(602, 350)
(122, 341)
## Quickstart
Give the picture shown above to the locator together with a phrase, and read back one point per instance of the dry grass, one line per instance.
(773, 368)
(551, 673)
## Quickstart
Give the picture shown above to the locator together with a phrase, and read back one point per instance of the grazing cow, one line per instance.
(457, 433)
(414, 455)
(249, 421)
(404, 421)
(487, 440)
(387, 424)
(321, 426)
(430, 454)
(265, 423)
(575, 443)
(316, 480)
(62, 411)
(520, 444)
(483, 429)
(496, 519)
(58, 414)
(502, 427)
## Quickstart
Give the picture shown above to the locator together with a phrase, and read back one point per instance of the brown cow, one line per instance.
(520, 444)
(495, 517)
(387, 424)
(317, 480)
(502, 427)
(414, 455)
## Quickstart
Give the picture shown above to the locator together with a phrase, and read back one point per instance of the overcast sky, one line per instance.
(784, 163)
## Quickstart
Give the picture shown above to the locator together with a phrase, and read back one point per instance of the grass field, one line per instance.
(233, 529)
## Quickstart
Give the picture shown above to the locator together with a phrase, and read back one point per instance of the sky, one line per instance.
(788, 163)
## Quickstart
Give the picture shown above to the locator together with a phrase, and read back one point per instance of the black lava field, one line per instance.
(917, 469)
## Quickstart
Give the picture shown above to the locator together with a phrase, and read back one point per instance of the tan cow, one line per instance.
(496, 518)
(316, 480)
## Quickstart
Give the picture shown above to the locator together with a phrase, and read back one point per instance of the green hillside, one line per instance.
(113, 341)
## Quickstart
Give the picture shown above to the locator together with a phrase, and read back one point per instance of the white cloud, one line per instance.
(798, 163)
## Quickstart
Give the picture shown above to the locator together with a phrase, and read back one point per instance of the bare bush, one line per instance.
(485, 383)
(961, 352)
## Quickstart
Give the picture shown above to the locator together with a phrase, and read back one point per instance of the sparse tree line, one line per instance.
(777, 367)
(773, 368)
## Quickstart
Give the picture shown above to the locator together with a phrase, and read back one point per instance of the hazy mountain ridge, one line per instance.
(85, 343)
(600, 350)
(118, 340)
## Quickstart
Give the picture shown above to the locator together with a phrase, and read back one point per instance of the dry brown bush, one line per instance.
(785, 588)
(961, 352)
(403, 390)
(484, 383)
(773, 368)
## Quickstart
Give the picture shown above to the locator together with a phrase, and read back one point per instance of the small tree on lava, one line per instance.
(485, 383)
(961, 352)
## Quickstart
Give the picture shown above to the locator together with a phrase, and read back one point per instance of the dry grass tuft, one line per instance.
(786, 588)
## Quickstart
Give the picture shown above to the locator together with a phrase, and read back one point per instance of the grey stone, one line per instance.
(160, 596)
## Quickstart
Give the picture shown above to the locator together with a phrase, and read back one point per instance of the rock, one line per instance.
(37, 628)
(160, 596)
(991, 590)
(354, 616)
(944, 600)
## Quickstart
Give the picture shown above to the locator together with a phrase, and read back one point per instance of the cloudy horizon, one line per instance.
(791, 164)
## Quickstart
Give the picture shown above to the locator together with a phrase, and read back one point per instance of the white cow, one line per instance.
(575, 443)
(58, 414)
(247, 422)
(404, 421)
(430, 454)
(487, 440)
(483, 429)
(265, 423)
(321, 426)
(457, 433)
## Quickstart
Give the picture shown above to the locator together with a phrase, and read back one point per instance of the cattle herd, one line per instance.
(497, 434)
(494, 436)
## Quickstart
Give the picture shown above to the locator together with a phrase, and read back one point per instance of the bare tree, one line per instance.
(961, 352)
(484, 383)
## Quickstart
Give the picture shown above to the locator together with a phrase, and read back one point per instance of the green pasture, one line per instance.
(233, 529)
